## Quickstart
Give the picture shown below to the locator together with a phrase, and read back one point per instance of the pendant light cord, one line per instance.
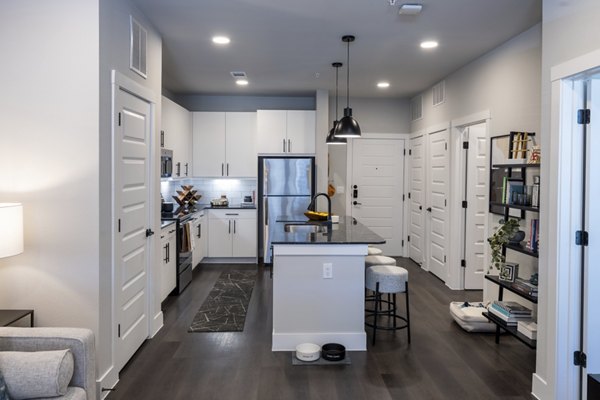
(337, 69)
(348, 76)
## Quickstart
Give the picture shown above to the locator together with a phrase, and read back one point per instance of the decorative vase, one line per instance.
(517, 237)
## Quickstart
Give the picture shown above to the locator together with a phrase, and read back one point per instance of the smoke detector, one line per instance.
(410, 9)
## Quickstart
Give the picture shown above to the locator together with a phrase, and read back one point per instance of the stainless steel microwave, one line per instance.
(166, 163)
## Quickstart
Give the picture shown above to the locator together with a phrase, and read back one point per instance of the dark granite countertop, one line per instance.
(165, 223)
(347, 231)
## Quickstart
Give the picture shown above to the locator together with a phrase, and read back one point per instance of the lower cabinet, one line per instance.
(168, 265)
(200, 240)
(232, 233)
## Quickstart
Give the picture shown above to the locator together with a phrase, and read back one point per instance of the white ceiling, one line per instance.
(283, 44)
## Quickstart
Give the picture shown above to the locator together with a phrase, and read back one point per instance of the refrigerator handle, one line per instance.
(289, 146)
(266, 208)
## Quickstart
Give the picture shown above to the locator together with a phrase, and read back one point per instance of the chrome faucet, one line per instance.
(313, 202)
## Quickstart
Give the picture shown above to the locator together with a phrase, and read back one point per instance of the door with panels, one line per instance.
(377, 189)
(437, 203)
(131, 151)
(476, 196)
(416, 198)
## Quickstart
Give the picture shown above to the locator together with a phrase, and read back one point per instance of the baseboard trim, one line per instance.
(109, 380)
(353, 341)
(539, 387)
(229, 260)
(157, 324)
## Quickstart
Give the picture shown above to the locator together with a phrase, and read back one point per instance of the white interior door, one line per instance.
(476, 211)
(377, 188)
(437, 194)
(133, 125)
(416, 199)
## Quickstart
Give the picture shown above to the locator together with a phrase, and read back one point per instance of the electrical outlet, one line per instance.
(327, 271)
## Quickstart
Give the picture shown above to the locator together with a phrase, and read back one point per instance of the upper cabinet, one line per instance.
(224, 144)
(286, 131)
(176, 135)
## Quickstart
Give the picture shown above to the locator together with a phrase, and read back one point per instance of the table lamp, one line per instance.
(11, 229)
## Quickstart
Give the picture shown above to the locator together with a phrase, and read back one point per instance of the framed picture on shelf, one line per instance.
(508, 272)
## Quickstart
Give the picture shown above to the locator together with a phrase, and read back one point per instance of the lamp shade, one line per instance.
(332, 139)
(347, 127)
(11, 229)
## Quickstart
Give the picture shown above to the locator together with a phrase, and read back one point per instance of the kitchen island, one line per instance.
(318, 283)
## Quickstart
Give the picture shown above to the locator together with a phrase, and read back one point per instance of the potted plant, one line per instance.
(501, 237)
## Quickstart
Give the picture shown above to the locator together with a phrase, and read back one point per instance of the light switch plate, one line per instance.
(340, 189)
(327, 271)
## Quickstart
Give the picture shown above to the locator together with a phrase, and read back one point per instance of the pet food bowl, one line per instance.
(333, 352)
(308, 352)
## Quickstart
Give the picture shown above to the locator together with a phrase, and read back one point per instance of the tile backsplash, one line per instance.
(212, 188)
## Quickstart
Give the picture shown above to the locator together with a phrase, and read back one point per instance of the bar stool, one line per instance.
(379, 260)
(374, 251)
(387, 279)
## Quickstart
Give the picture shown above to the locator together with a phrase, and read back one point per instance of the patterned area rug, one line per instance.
(224, 310)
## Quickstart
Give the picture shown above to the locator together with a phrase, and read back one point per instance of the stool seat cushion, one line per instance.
(391, 279)
(374, 251)
(379, 260)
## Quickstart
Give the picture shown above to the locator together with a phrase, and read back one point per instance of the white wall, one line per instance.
(196, 102)
(570, 29)
(374, 115)
(114, 54)
(49, 156)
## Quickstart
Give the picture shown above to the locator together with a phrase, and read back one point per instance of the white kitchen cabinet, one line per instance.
(168, 265)
(224, 144)
(286, 131)
(176, 135)
(232, 233)
(199, 233)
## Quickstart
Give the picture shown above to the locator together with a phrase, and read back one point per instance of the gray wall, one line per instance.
(244, 103)
(505, 81)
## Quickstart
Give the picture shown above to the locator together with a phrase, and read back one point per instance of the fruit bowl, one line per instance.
(316, 216)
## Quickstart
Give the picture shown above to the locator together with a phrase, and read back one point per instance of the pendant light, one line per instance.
(347, 127)
(331, 138)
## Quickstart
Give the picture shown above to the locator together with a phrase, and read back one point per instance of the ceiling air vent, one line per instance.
(416, 108)
(238, 74)
(439, 93)
(137, 47)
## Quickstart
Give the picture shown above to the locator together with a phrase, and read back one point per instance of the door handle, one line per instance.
(149, 232)
(166, 253)
(162, 138)
(222, 169)
(229, 226)
(284, 145)
(356, 203)
(234, 226)
(289, 146)
(429, 209)
(186, 169)
(199, 234)
(178, 169)
(355, 192)
(227, 169)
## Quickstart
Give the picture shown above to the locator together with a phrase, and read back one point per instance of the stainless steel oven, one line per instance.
(166, 163)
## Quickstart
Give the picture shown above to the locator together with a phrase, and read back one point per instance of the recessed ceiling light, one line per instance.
(221, 40)
(429, 44)
(383, 85)
(241, 82)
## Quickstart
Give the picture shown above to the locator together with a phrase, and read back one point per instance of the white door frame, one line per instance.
(349, 177)
(458, 161)
(558, 309)
(409, 214)
(118, 82)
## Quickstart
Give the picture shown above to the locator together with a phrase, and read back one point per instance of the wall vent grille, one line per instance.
(439, 93)
(137, 46)
(416, 108)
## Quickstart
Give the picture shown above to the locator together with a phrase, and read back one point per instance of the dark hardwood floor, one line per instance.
(442, 362)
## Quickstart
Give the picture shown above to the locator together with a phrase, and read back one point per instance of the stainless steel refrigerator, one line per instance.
(286, 185)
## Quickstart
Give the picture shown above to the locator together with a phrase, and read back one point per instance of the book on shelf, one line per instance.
(525, 287)
(527, 328)
(534, 235)
(510, 319)
(514, 187)
(512, 307)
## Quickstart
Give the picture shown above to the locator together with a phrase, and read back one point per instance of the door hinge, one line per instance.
(408, 238)
(444, 258)
(445, 146)
(409, 195)
(580, 359)
(463, 263)
(583, 116)
(119, 330)
(402, 197)
(581, 238)
(119, 223)
(445, 203)
(404, 151)
(464, 204)
(465, 145)
(119, 119)
(402, 242)
(410, 152)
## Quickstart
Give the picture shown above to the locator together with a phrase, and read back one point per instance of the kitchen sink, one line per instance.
(305, 228)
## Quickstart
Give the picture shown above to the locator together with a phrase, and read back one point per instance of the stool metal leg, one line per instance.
(377, 309)
(395, 309)
(407, 311)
